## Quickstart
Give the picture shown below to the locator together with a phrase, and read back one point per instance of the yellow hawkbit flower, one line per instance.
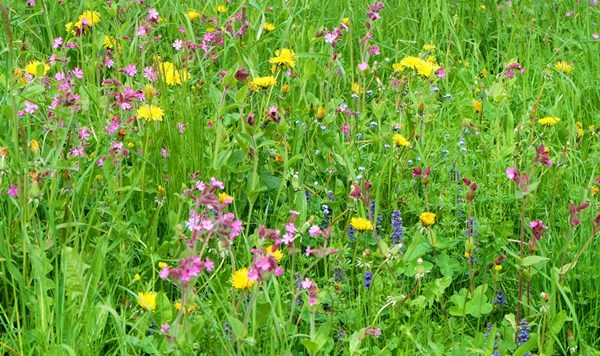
(361, 224)
(346, 21)
(225, 198)
(277, 254)
(548, 120)
(34, 146)
(284, 57)
(240, 280)
(400, 141)
(32, 67)
(427, 218)
(579, 129)
(262, 82)
(193, 15)
(150, 113)
(147, 300)
(137, 277)
(397, 67)
(428, 47)
(162, 265)
(564, 67)
(221, 8)
(269, 27)
(356, 88)
(498, 267)
(477, 106)
(594, 191)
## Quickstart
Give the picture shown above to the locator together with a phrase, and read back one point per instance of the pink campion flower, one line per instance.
(541, 156)
(30, 108)
(141, 31)
(595, 36)
(130, 70)
(374, 50)
(573, 210)
(77, 151)
(31, 3)
(57, 43)
(537, 227)
(13, 191)
(308, 251)
(164, 272)
(512, 69)
(306, 283)
(153, 15)
(371, 331)
(100, 161)
(150, 74)
(181, 29)
(164, 153)
(108, 62)
(181, 127)
(315, 231)
(78, 73)
(440, 73)
(330, 37)
(512, 174)
(363, 66)
(178, 44)
(345, 128)
(164, 328)
(83, 134)
(209, 265)
(236, 229)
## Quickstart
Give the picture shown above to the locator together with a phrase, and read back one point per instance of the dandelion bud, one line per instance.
(34, 146)
(320, 113)
(149, 92)
(3, 155)
(421, 108)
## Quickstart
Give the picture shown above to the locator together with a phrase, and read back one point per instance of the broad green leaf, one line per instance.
(532, 260)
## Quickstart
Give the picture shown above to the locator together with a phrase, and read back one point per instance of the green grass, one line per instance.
(82, 234)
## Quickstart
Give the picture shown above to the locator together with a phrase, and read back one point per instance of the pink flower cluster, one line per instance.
(312, 291)
(187, 269)
(263, 265)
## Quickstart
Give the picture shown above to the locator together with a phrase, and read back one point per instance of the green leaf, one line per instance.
(237, 327)
(311, 346)
(164, 312)
(448, 266)
(458, 299)
(74, 273)
(479, 305)
(554, 328)
(532, 260)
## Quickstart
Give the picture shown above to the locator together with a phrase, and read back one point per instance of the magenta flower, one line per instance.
(537, 227)
(178, 44)
(315, 231)
(363, 66)
(512, 174)
(130, 70)
(13, 191)
(573, 210)
(542, 156)
(371, 331)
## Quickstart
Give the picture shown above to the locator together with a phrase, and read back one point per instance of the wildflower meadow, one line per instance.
(296, 177)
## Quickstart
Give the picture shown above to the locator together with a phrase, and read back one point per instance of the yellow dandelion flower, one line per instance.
(284, 57)
(320, 113)
(147, 300)
(92, 17)
(356, 88)
(193, 15)
(277, 254)
(269, 27)
(411, 62)
(427, 68)
(361, 224)
(477, 106)
(225, 198)
(137, 277)
(428, 47)
(400, 141)
(150, 113)
(483, 73)
(262, 82)
(427, 218)
(346, 21)
(108, 42)
(579, 129)
(32, 67)
(548, 121)
(397, 67)
(431, 59)
(171, 75)
(189, 309)
(162, 265)
(239, 279)
(498, 267)
(221, 8)
(564, 67)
